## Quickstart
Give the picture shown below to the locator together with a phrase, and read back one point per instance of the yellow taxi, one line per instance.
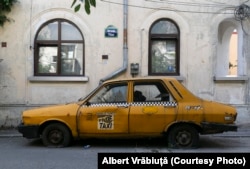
(131, 108)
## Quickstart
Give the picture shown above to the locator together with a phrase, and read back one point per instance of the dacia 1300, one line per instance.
(131, 108)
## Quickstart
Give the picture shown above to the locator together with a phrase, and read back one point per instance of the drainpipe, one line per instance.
(125, 45)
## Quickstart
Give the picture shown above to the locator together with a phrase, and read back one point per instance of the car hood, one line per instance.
(62, 109)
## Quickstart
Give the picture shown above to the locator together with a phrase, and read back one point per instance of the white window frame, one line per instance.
(225, 30)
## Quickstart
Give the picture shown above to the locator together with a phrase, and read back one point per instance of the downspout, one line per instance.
(125, 45)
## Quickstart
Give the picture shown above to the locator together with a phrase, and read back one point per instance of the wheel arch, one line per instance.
(171, 126)
(46, 123)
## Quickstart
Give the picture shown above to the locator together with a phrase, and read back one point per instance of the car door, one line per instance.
(152, 108)
(106, 111)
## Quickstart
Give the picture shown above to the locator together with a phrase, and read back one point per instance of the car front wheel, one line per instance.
(56, 135)
(183, 136)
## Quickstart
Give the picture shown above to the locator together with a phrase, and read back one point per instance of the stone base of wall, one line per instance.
(243, 114)
(11, 115)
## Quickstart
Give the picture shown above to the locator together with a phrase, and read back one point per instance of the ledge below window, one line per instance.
(230, 78)
(57, 79)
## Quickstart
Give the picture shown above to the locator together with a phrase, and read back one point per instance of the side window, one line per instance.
(59, 49)
(151, 92)
(114, 93)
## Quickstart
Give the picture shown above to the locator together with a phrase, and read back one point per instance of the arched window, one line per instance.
(164, 46)
(230, 60)
(59, 50)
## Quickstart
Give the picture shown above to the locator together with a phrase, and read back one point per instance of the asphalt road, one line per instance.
(17, 152)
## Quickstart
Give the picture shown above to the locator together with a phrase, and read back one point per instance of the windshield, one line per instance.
(110, 94)
(84, 97)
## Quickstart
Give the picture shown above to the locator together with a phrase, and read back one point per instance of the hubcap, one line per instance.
(55, 136)
(184, 138)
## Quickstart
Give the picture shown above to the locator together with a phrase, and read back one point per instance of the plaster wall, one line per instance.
(199, 43)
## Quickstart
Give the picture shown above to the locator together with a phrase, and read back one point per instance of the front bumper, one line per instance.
(29, 131)
(212, 128)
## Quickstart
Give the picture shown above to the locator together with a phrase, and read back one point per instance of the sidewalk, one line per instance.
(12, 132)
(243, 131)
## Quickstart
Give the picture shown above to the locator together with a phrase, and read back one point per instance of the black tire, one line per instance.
(56, 135)
(183, 136)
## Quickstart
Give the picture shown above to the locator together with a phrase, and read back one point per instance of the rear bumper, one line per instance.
(29, 131)
(211, 128)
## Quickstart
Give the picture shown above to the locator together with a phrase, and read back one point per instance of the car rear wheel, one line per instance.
(56, 135)
(183, 136)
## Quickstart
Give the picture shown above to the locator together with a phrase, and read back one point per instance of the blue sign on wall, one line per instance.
(111, 32)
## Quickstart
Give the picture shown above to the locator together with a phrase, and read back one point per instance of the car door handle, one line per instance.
(122, 106)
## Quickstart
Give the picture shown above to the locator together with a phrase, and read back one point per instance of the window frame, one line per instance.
(159, 85)
(224, 33)
(57, 43)
(164, 37)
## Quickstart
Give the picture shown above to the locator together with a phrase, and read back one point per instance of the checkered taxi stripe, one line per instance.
(165, 104)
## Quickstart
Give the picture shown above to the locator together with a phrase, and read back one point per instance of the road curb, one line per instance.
(10, 133)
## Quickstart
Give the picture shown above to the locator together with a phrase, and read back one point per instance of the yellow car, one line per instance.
(137, 107)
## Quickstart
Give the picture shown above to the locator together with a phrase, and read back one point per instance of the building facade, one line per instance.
(52, 55)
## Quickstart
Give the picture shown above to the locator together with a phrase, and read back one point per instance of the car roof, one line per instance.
(141, 78)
